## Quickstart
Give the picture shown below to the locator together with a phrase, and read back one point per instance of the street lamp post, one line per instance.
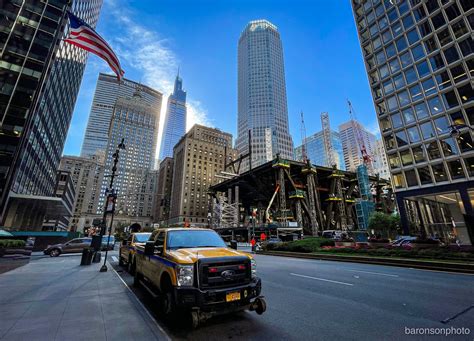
(113, 196)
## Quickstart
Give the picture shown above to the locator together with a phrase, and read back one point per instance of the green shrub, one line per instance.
(312, 244)
(316, 244)
(12, 243)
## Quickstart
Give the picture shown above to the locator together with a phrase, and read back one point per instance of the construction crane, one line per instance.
(366, 157)
(326, 127)
(304, 150)
(267, 211)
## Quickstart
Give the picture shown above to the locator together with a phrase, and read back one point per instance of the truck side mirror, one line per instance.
(149, 248)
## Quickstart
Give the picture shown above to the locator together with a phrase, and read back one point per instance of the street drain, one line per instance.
(457, 315)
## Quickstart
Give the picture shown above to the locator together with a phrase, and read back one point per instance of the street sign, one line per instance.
(110, 207)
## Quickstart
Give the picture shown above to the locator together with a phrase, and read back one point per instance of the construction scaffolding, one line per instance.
(294, 197)
(365, 204)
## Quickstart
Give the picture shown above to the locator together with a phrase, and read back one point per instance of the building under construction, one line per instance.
(289, 198)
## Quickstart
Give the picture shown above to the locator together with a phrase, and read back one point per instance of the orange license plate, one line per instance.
(232, 296)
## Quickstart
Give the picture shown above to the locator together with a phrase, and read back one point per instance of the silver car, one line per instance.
(72, 246)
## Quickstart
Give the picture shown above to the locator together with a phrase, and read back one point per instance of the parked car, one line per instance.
(111, 243)
(421, 243)
(402, 241)
(332, 234)
(273, 240)
(72, 246)
(128, 250)
(193, 270)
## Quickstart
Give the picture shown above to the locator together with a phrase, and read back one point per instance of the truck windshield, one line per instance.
(194, 238)
(142, 237)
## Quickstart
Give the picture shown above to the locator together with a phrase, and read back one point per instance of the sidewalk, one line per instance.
(57, 299)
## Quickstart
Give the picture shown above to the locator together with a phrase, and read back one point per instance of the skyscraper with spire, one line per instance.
(175, 120)
(262, 104)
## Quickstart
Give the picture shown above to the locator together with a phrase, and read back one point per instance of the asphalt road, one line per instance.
(322, 300)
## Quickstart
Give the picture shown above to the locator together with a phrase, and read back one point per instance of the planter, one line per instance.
(345, 244)
(424, 246)
(379, 245)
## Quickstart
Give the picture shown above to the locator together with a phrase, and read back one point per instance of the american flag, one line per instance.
(85, 37)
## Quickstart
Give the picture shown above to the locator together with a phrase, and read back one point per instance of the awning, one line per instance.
(52, 206)
(4, 233)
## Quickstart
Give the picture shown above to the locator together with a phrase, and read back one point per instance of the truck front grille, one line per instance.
(224, 272)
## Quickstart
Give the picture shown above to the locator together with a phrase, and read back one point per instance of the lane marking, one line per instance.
(444, 272)
(446, 320)
(142, 306)
(374, 273)
(322, 279)
(115, 259)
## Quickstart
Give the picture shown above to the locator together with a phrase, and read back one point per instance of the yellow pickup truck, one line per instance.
(192, 269)
(127, 249)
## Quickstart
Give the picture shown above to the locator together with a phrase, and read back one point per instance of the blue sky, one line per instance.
(323, 60)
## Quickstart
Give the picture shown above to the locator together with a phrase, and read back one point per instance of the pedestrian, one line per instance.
(253, 242)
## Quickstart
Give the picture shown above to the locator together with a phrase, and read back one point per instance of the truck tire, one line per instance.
(121, 263)
(137, 278)
(131, 266)
(166, 298)
(194, 319)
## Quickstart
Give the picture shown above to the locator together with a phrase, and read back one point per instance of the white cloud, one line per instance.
(145, 51)
(197, 114)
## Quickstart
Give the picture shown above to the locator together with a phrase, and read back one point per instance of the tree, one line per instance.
(388, 225)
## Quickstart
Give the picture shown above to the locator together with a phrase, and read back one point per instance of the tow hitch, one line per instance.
(197, 316)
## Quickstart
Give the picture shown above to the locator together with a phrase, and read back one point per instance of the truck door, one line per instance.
(125, 248)
(153, 267)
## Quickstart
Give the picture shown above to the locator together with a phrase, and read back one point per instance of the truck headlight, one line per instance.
(185, 275)
(254, 268)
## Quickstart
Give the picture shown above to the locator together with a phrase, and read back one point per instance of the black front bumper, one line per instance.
(215, 299)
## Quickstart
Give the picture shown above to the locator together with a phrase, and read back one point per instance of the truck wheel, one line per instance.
(137, 278)
(167, 304)
(195, 319)
(261, 306)
(166, 298)
(121, 263)
(132, 266)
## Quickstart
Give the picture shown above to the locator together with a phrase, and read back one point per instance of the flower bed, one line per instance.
(322, 245)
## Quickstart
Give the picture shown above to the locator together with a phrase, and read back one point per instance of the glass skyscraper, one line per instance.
(38, 89)
(175, 120)
(316, 150)
(350, 144)
(419, 57)
(107, 91)
(135, 121)
(262, 104)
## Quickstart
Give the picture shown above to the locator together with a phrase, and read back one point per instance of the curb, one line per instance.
(426, 265)
(156, 328)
